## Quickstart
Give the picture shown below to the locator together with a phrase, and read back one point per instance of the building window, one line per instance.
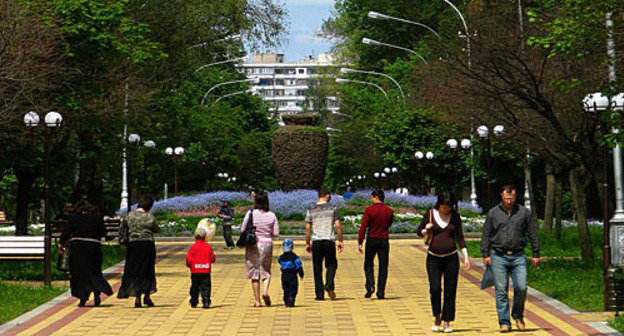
(301, 71)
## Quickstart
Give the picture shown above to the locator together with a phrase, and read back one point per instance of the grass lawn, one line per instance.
(16, 299)
(562, 275)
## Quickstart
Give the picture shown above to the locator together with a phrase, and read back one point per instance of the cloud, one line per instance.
(310, 39)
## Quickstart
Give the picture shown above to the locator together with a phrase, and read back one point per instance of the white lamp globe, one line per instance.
(387, 170)
(53, 119)
(134, 138)
(233, 179)
(359, 177)
(225, 175)
(483, 131)
(596, 102)
(395, 170)
(429, 155)
(31, 119)
(169, 151)
(376, 175)
(499, 130)
(419, 155)
(383, 174)
(179, 151)
(451, 143)
(149, 144)
(617, 102)
(465, 143)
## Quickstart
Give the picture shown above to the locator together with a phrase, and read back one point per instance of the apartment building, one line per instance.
(284, 85)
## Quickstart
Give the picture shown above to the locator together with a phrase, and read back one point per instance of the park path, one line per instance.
(406, 311)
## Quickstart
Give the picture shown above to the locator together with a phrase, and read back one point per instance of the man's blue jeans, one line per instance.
(504, 266)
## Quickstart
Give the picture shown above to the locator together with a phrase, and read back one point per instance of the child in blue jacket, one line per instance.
(290, 264)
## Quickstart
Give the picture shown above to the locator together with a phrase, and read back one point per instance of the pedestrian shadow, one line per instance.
(465, 330)
(389, 298)
(339, 299)
(103, 305)
(217, 306)
(170, 274)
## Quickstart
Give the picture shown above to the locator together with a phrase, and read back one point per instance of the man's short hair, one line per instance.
(322, 192)
(509, 188)
(379, 194)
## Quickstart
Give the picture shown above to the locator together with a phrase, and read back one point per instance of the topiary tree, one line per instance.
(299, 152)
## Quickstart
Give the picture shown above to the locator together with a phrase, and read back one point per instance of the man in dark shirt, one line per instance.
(502, 245)
(377, 220)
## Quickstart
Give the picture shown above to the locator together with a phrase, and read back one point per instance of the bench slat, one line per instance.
(20, 244)
(5, 251)
(21, 238)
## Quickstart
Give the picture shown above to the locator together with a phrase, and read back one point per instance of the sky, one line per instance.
(306, 18)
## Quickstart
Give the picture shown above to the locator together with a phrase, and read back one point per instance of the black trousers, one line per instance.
(290, 285)
(381, 248)
(227, 235)
(323, 250)
(200, 283)
(449, 268)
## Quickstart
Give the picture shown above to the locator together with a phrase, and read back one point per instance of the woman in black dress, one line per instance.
(139, 276)
(84, 231)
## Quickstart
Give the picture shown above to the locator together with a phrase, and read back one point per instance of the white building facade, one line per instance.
(283, 85)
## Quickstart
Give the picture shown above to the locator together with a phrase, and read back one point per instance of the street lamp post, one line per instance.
(452, 144)
(175, 155)
(348, 70)
(149, 145)
(383, 44)
(53, 122)
(380, 16)
(344, 80)
(484, 133)
(134, 140)
(254, 80)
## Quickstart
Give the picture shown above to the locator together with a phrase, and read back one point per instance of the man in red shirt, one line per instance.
(377, 219)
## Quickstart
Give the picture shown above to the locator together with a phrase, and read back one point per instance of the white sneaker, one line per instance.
(448, 330)
(435, 328)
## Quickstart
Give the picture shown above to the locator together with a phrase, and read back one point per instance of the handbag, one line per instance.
(248, 237)
(429, 234)
(123, 232)
(62, 263)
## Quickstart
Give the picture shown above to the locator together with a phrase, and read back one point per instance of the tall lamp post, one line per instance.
(53, 122)
(484, 133)
(466, 144)
(175, 155)
(134, 140)
(149, 145)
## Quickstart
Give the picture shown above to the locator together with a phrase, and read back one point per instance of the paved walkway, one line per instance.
(405, 312)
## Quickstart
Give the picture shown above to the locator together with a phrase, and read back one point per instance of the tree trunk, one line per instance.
(550, 198)
(25, 181)
(90, 176)
(529, 183)
(586, 245)
(558, 196)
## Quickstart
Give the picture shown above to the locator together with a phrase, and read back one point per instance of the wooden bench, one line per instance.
(21, 248)
(4, 220)
(112, 228)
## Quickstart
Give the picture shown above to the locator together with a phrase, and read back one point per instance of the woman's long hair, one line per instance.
(261, 201)
(446, 197)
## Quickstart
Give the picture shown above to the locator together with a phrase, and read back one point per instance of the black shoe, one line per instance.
(148, 302)
(193, 304)
(381, 296)
(368, 295)
(82, 302)
(206, 303)
(97, 301)
(319, 299)
(137, 304)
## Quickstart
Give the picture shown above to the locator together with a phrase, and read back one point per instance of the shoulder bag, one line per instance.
(429, 235)
(248, 237)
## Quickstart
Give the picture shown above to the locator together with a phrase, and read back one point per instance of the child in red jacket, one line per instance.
(200, 259)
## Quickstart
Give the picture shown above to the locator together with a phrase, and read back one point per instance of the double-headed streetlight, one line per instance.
(420, 158)
(53, 122)
(484, 133)
(348, 71)
(344, 81)
(454, 146)
(175, 155)
(149, 145)
(383, 44)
